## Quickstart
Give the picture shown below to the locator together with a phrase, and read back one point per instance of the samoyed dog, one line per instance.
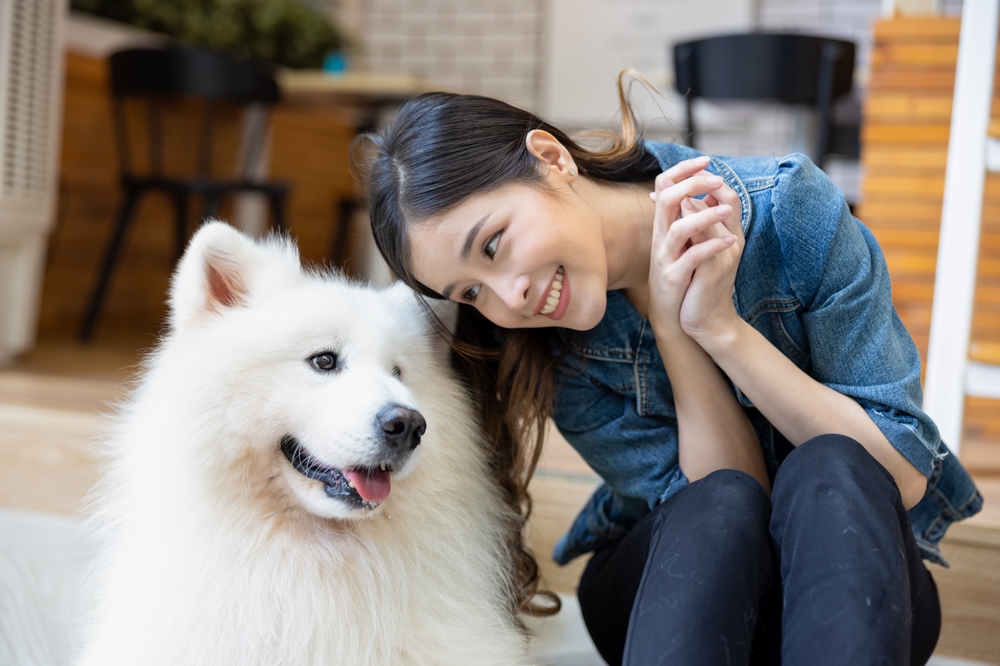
(298, 478)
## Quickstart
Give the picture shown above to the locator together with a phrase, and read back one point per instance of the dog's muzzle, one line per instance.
(398, 430)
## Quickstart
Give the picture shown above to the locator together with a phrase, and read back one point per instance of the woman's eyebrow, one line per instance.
(471, 237)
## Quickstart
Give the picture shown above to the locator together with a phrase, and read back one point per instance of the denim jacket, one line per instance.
(814, 282)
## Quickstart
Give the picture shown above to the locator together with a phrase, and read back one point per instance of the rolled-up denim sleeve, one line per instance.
(606, 518)
(857, 344)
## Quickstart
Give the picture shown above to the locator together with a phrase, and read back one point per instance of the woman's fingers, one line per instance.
(727, 195)
(680, 273)
(689, 187)
(696, 255)
(681, 171)
(691, 206)
(668, 200)
(686, 231)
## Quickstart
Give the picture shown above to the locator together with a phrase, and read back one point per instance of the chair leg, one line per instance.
(180, 224)
(210, 206)
(345, 213)
(278, 211)
(824, 99)
(690, 129)
(111, 255)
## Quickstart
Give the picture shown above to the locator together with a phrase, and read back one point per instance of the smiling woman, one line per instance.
(530, 246)
(716, 338)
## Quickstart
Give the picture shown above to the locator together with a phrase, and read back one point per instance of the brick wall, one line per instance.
(488, 47)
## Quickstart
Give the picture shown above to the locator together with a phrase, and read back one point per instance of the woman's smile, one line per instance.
(555, 301)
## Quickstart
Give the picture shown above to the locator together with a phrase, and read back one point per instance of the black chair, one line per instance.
(154, 76)
(788, 68)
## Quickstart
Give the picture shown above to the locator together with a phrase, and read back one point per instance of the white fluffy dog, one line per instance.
(298, 479)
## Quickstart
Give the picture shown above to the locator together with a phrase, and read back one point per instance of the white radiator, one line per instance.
(31, 85)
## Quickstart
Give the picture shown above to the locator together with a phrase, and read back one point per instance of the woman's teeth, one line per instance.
(553, 298)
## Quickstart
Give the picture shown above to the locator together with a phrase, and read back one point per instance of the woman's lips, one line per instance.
(556, 290)
(563, 299)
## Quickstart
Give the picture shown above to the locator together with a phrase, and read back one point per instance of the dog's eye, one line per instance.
(325, 361)
(397, 372)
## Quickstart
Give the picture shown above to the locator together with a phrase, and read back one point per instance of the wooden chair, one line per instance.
(152, 76)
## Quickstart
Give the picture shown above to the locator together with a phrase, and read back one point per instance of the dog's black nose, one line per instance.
(402, 426)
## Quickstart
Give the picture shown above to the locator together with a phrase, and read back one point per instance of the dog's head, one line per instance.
(309, 388)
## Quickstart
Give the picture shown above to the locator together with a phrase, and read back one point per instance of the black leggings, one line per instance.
(826, 572)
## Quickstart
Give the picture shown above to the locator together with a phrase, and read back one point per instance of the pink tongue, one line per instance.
(373, 485)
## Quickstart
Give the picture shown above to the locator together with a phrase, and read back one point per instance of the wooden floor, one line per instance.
(57, 400)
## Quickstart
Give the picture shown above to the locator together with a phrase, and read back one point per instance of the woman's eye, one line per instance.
(490, 249)
(470, 294)
(325, 361)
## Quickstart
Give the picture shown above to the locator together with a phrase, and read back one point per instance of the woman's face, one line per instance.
(525, 257)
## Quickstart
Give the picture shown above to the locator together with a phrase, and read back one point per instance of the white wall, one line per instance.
(586, 43)
(559, 57)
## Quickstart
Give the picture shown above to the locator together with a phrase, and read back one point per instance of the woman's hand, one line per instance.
(707, 310)
(713, 431)
(686, 236)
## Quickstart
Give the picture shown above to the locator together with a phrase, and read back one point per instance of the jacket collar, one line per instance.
(617, 337)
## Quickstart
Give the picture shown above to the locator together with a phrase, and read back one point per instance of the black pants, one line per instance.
(826, 572)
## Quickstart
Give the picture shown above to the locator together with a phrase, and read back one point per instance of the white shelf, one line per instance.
(982, 380)
(992, 154)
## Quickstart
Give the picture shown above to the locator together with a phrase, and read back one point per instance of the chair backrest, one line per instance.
(190, 72)
(788, 68)
(153, 74)
(782, 67)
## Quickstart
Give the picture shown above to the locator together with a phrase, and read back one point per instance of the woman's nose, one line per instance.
(515, 295)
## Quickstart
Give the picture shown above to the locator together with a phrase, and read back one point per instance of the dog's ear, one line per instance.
(220, 269)
(436, 314)
(446, 311)
(441, 314)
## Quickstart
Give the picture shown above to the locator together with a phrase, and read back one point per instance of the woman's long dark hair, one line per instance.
(440, 149)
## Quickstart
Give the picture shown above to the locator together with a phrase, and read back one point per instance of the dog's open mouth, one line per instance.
(359, 487)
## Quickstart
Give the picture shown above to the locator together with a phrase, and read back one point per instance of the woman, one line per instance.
(717, 339)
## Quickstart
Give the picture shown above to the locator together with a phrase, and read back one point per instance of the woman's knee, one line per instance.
(730, 485)
(829, 466)
(727, 502)
(829, 455)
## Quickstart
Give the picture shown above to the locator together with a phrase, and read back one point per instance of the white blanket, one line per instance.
(43, 559)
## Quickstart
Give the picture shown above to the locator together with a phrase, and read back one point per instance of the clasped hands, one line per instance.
(696, 250)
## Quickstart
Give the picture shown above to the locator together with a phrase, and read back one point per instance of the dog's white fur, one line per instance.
(218, 552)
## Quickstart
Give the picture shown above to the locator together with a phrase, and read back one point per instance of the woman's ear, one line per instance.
(552, 154)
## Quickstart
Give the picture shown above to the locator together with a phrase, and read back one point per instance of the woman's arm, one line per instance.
(713, 430)
(798, 405)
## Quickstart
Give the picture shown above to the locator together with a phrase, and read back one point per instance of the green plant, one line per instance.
(285, 32)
